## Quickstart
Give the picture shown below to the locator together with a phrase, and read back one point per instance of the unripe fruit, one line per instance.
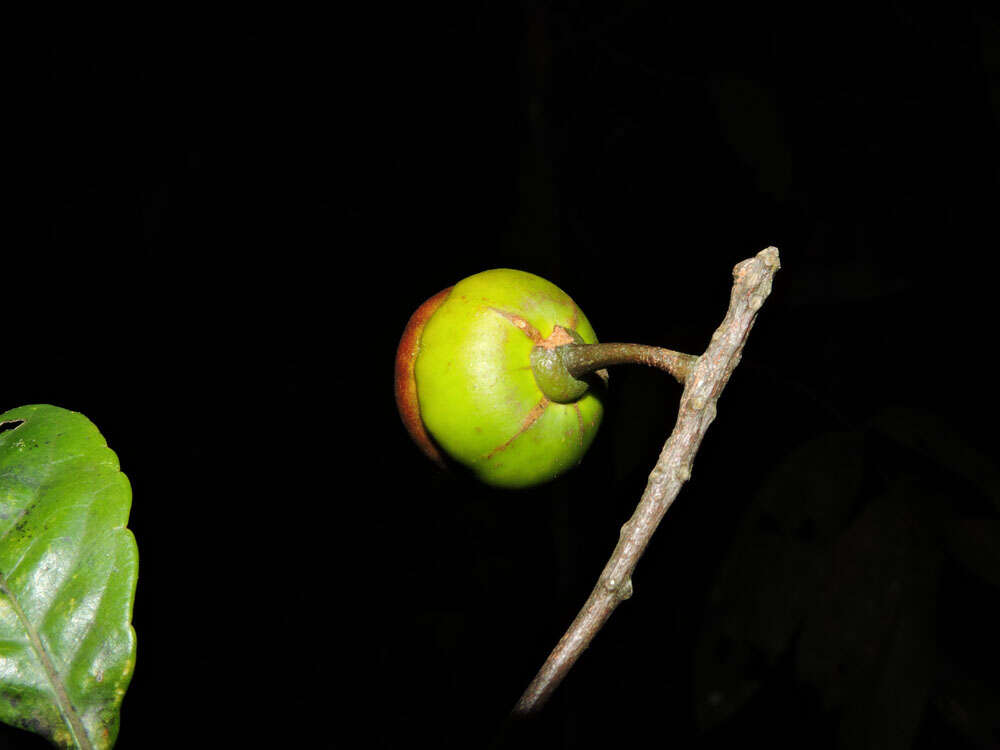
(465, 386)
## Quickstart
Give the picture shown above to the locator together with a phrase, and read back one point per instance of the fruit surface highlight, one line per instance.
(465, 385)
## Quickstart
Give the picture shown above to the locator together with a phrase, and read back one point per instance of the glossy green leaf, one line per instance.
(68, 572)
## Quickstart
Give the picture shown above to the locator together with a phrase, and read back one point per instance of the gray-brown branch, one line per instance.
(702, 387)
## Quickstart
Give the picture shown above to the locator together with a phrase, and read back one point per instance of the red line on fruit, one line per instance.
(533, 416)
(525, 327)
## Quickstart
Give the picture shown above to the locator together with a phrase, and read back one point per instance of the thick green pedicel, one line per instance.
(477, 392)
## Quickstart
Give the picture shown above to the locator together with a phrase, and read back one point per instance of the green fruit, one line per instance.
(465, 384)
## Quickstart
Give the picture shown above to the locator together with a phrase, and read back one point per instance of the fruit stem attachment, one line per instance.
(581, 359)
(561, 371)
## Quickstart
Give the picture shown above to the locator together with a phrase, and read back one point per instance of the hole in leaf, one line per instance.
(12, 425)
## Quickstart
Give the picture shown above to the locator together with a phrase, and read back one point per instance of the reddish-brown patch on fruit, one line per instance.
(559, 337)
(406, 382)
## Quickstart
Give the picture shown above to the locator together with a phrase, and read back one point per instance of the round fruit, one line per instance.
(466, 388)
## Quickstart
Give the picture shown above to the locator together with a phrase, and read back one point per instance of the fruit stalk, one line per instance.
(581, 359)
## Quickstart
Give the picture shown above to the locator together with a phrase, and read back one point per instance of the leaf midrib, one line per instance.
(70, 716)
(62, 697)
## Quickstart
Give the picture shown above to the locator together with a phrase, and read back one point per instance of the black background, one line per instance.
(230, 223)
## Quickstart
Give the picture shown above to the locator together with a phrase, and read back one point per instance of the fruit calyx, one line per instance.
(553, 379)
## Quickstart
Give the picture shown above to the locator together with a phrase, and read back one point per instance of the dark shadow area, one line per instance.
(230, 224)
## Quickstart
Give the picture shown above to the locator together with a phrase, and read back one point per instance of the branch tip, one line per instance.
(711, 372)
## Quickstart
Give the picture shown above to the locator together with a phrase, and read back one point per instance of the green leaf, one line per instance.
(67, 578)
